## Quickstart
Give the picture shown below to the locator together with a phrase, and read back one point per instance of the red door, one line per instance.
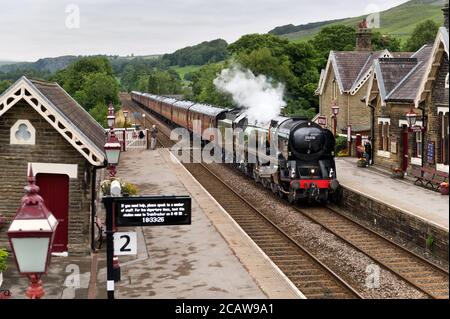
(54, 189)
(405, 149)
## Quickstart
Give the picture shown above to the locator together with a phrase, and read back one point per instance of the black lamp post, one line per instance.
(112, 146)
(125, 115)
(31, 237)
(335, 111)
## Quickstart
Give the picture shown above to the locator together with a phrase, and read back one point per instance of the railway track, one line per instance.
(408, 266)
(308, 273)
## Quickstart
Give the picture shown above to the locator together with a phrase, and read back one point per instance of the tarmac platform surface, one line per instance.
(423, 203)
(212, 258)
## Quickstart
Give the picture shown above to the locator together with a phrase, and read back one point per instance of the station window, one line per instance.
(383, 133)
(418, 137)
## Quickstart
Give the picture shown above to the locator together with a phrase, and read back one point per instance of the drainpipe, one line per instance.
(372, 131)
(93, 205)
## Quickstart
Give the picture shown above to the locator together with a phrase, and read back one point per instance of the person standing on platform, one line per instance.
(153, 135)
(368, 151)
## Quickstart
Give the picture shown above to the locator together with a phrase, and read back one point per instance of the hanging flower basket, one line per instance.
(398, 173)
(361, 162)
(444, 188)
(3, 259)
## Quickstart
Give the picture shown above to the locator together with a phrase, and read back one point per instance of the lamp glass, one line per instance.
(111, 120)
(112, 155)
(335, 110)
(411, 117)
(31, 253)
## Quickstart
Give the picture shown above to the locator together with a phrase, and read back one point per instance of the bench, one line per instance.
(429, 177)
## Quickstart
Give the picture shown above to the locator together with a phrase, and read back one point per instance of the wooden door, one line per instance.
(54, 189)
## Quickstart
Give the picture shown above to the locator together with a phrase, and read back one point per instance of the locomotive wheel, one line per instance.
(273, 188)
(256, 177)
(291, 198)
(265, 183)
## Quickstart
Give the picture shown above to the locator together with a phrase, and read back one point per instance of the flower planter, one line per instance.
(444, 190)
(398, 175)
(361, 163)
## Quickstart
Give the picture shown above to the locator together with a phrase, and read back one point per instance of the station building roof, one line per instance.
(62, 112)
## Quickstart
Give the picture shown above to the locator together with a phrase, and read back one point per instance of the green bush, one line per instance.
(3, 257)
(341, 144)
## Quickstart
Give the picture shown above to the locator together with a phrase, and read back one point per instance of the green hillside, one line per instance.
(398, 21)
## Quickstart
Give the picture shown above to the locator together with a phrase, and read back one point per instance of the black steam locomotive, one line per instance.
(293, 157)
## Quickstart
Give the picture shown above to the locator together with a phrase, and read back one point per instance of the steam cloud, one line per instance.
(257, 94)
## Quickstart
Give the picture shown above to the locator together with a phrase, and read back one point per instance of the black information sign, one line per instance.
(153, 211)
(430, 153)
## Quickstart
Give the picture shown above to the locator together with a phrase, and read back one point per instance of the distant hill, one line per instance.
(51, 65)
(7, 62)
(398, 21)
(203, 53)
(43, 65)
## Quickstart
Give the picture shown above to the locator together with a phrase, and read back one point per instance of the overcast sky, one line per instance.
(32, 29)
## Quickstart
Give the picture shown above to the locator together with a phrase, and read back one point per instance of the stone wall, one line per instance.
(396, 223)
(359, 115)
(50, 147)
(439, 98)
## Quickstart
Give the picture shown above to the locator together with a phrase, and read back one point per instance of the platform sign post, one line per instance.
(140, 211)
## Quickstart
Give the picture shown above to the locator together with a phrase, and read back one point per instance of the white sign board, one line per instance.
(125, 243)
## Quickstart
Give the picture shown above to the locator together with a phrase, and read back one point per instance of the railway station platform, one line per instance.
(415, 216)
(211, 258)
(412, 199)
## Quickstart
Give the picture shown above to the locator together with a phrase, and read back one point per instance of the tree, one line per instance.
(423, 33)
(72, 78)
(91, 82)
(203, 88)
(98, 112)
(338, 38)
(98, 88)
(251, 42)
(4, 85)
(385, 41)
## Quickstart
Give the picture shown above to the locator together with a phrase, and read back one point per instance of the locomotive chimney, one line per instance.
(363, 37)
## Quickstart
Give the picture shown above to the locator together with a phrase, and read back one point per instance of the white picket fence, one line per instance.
(129, 138)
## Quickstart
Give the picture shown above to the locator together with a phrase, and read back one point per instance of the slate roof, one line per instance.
(348, 66)
(407, 88)
(82, 121)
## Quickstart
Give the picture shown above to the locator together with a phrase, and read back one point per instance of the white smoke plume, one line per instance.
(257, 94)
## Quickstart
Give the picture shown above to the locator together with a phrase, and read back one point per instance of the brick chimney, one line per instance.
(363, 37)
(445, 10)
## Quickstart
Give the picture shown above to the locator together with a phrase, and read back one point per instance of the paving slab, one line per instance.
(411, 199)
(212, 258)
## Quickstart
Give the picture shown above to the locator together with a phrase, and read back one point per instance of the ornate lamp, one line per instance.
(334, 108)
(31, 237)
(112, 150)
(111, 117)
(411, 117)
(125, 115)
(335, 111)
